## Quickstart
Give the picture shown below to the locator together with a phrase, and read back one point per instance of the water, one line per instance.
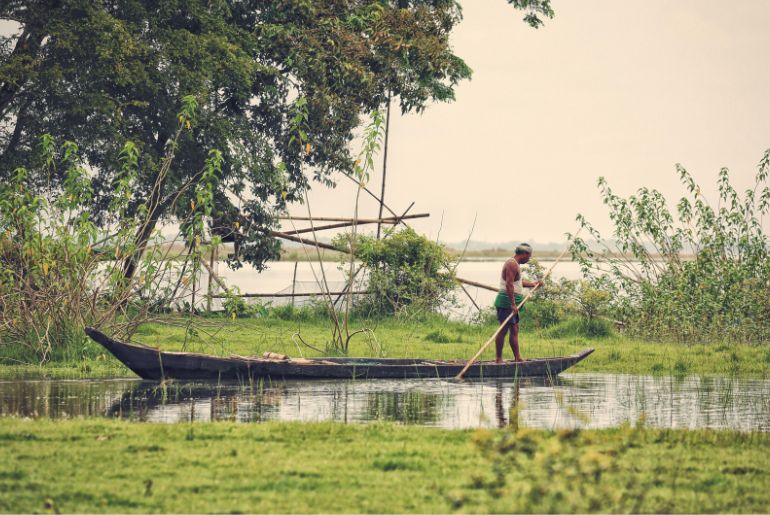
(572, 401)
(278, 278)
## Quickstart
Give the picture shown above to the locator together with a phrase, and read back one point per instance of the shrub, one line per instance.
(407, 273)
(59, 274)
(701, 273)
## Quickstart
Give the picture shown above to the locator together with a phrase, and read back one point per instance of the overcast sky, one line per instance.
(618, 89)
(622, 90)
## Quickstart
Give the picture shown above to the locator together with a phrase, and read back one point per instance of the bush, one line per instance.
(59, 274)
(702, 273)
(407, 273)
(541, 313)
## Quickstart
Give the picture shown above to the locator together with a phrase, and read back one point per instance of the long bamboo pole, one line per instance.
(315, 294)
(348, 224)
(303, 241)
(386, 219)
(459, 377)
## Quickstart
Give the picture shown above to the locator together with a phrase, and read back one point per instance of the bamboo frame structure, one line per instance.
(351, 223)
(386, 220)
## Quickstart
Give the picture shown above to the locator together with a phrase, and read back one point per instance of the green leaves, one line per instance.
(535, 11)
(407, 273)
(691, 275)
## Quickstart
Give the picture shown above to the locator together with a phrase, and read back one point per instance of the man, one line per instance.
(510, 294)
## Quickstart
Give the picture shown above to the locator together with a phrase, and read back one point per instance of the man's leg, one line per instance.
(500, 343)
(515, 342)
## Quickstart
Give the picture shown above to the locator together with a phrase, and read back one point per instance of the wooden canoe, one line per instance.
(155, 364)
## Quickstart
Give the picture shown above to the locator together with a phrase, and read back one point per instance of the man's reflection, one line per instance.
(512, 418)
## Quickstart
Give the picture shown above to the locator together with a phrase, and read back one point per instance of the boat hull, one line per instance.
(154, 364)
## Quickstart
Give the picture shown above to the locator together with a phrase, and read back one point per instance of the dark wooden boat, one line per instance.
(155, 364)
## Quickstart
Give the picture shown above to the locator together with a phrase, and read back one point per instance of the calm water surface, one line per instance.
(278, 277)
(574, 400)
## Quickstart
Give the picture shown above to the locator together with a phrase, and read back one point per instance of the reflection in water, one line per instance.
(573, 400)
(512, 417)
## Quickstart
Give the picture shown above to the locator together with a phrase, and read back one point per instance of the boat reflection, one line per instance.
(573, 400)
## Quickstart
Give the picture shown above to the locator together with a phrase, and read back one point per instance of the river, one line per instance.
(570, 401)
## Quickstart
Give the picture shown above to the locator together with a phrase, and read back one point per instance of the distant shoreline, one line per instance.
(296, 253)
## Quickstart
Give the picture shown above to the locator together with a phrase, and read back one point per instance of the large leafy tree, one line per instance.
(105, 73)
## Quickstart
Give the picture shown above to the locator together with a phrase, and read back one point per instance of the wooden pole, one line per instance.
(294, 283)
(255, 295)
(194, 279)
(474, 283)
(297, 239)
(350, 223)
(386, 219)
(217, 279)
(459, 377)
(384, 165)
(214, 251)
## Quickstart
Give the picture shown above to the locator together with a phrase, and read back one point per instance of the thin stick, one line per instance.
(470, 297)
(213, 251)
(384, 166)
(459, 377)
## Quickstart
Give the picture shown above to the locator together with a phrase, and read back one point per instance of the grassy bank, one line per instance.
(434, 338)
(113, 466)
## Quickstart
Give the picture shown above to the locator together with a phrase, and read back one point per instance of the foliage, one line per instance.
(592, 300)
(699, 273)
(102, 74)
(535, 9)
(408, 273)
(575, 465)
(235, 307)
(549, 305)
(59, 273)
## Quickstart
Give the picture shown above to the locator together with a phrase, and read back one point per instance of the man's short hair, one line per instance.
(523, 248)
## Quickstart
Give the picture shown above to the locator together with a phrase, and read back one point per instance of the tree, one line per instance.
(102, 74)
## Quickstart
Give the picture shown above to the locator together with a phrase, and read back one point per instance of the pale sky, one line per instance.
(618, 89)
(621, 89)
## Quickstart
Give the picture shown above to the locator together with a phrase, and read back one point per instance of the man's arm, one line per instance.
(532, 284)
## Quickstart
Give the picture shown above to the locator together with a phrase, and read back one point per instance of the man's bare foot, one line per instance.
(499, 360)
(519, 359)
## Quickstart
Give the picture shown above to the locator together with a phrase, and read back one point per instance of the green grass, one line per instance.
(434, 338)
(114, 466)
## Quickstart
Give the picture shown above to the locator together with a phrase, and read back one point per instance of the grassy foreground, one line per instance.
(114, 466)
(435, 338)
